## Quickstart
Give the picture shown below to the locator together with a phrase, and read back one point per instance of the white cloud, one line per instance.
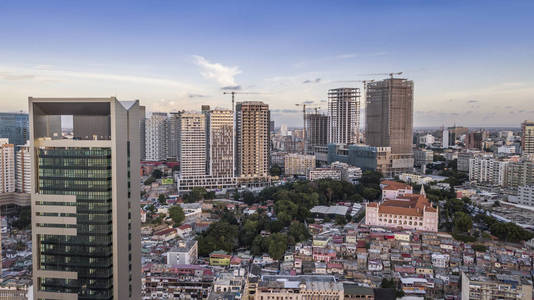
(224, 75)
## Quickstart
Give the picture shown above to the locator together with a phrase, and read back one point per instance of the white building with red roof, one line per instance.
(406, 211)
(394, 189)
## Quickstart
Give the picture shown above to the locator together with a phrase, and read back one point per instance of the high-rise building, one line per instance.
(192, 144)
(519, 173)
(23, 166)
(142, 136)
(423, 157)
(85, 199)
(527, 137)
(445, 139)
(389, 114)
(173, 135)
(272, 126)
(7, 166)
(252, 139)
(156, 137)
(283, 130)
(453, 134)
(488, 171)
(298, 164)
(14, 126)
(220, 143)
(316, 130)
(344, 115)
(473, 140)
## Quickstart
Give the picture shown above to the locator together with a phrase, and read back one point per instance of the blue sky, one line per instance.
(471, 61)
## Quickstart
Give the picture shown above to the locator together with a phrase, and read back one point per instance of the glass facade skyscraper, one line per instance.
(14, 126)
(85, 211)
(86, 174)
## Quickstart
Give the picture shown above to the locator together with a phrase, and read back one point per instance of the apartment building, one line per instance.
(487, 171)
(7, 166)
(343, 115)
(298, 164)
(498, 286)
(23, 165)
(252, 139)
(156, 137)
(527, 137)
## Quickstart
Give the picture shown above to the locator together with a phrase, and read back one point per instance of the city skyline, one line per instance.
(470, 62)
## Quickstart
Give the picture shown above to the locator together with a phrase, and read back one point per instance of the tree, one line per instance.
(149, 180)
(24, 219)
(156, 173)
(341, 220)
(462, 222)
(162, 199)
(277, 245)
(219, 236)
(249, 198)
(177, 214)
(298, 231)
(371, 194)
(479, 248)
(275, 171)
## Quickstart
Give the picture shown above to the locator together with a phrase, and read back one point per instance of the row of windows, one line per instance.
(400, 222)
(75, 173)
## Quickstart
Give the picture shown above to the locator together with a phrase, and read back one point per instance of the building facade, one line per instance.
(316, 131)
(85, 201)
(220, 143)
(527, 137)
(299, 287)
(14, 127)
(389, 115)
(344, 115)
(407, 211)
(324, 173)
(192, 144)
(184, 253)
(298, 164)
(519, 173)
(525, 195)
(252, 139)
(23, 165)
(423, 157)
(156, 137)
(7, 166)
(366, 157)
(487, 171)
(173, 135)
(498, 286)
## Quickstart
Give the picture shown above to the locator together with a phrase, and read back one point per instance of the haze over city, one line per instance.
(471, 62)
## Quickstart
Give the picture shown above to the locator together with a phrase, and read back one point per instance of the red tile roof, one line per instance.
(394, 185)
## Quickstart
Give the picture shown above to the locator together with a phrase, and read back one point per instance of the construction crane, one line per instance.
(233, 93)
(304, 104)
(383, 74)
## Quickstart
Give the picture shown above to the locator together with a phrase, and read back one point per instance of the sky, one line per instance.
(472, 62)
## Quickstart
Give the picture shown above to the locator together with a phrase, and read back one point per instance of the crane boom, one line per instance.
(233, 93)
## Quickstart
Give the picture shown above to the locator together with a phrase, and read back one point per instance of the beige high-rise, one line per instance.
(192, 144)
(220, 143)
(389, 114)
(85, 198)
(527, 137)
(7, 166)
(252, 139)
